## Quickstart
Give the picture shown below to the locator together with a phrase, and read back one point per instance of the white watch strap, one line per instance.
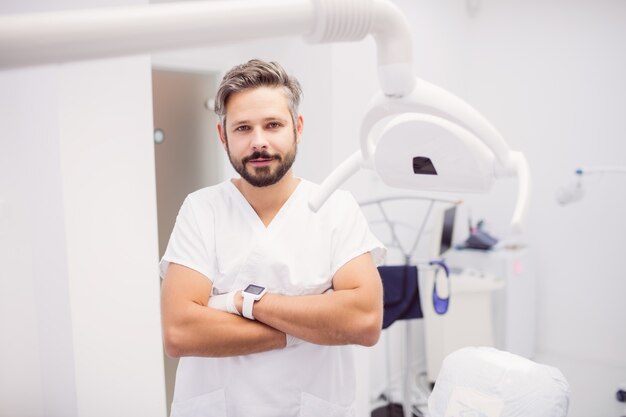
(248, 304)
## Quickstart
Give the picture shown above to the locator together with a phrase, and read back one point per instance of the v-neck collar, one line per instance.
(252, 215)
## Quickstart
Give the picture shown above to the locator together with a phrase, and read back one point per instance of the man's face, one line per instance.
(259, 135)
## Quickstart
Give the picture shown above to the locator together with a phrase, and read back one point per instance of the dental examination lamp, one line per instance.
(429, 139)
(574, 191)
(432, 140)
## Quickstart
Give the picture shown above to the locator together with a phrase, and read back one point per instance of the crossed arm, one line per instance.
(351, 314)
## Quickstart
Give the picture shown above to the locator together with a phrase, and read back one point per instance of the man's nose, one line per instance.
(259, 139)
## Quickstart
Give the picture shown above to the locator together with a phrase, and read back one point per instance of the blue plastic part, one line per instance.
(441, 304)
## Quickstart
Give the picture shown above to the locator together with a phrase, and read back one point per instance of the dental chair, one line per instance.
(486, 382)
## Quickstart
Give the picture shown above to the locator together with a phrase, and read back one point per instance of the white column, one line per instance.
(109, 195)
(79, 287)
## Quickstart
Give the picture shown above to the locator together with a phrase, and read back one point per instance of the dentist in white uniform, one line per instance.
(262, 297)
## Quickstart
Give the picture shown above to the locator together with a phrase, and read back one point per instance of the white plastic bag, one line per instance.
(486, 382)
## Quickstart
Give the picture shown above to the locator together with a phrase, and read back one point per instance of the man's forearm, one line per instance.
(351, 314)
(204, 331)
(335, 318)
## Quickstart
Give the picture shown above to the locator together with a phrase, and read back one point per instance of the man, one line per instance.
(306, 283)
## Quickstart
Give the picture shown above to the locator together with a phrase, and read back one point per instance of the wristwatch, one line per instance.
(251, 294)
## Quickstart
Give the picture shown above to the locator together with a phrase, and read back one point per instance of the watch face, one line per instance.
(254, 289)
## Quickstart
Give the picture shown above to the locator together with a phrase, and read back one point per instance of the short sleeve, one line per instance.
(187, 245)
(352, 236)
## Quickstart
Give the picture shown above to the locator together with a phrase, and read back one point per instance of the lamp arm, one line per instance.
(339, 175)
(63, 36)
(349, 20)
(394, 46)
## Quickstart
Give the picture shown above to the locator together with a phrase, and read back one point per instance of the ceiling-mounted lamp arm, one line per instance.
(350, 20)
(394, 46)
(63, 36)
(29, 39)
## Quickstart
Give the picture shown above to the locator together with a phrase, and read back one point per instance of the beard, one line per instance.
(264, 176)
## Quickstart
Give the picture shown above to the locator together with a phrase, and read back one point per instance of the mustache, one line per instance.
(260, 155)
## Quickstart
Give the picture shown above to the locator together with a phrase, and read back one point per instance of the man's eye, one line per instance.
(273, 125)
(241, 128)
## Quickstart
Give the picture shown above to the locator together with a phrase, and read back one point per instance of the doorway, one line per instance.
(187, 152)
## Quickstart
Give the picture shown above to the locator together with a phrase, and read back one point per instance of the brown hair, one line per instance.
(257, 73)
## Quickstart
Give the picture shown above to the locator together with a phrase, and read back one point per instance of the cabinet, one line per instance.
(492, 303)
(515, 305)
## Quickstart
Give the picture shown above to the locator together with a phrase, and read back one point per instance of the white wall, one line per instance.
(551, 76)
(79, 288)
(36, 354)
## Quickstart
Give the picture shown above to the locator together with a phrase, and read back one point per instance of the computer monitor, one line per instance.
(442, 232)
(447, 230)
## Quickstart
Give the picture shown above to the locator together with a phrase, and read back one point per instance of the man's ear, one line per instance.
(299, 128)
(222, 134)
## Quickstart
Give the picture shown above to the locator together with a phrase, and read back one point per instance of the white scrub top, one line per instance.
(218, 234)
